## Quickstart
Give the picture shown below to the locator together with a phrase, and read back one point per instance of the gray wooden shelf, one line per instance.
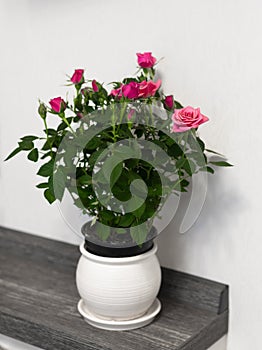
(38, 301)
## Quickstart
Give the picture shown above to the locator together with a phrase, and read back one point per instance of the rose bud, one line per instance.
(77, 76)
(146, 60)
(57, 104)
(169, 102)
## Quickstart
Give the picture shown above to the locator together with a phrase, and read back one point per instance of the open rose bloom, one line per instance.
(187, 118)
(134, 90)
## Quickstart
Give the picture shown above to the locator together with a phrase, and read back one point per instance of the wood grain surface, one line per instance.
(38, 299)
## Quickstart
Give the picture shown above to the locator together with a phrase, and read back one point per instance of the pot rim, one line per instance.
(117, 261)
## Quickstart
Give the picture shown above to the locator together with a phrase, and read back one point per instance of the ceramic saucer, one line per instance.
(113, 325)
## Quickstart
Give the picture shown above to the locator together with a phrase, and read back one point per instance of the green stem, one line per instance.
(113, 124)
(123, 109)
(180, 180)
(46, 128)
(66, 121)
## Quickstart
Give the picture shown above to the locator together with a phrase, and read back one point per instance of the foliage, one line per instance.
(186, 150)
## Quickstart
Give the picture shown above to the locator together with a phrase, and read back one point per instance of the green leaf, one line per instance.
(59, 181)
(121, 195)
(132, 175)
(29, 138)
(93, 158)
(131, 163)
(115, 174)
(128, 80)
(43, 185)
(48, 154)
(140, 211)
(51, 132)
(177, 185)
(150, 211)
(120, 231)
(100, 178)
(83, 193)
(160, 144)
(57, 141)
(187, 165)
(48, 144)
(123, 151)
(210, 170)
(46, 170)
(78, 102)
(184, 183)
(198, 157)
(221, 163)
(106, 216)
(12, 154)
(93, 144)
(126, 220)
(155, 189)
(201, 144)
(84, 180)
(174, 150)
(26, 145)
(139, 234)
(88, 109)
(64, 125)
(177, 105)
(210, 151)
(78, 203)
(103, 231)
(49, 196)
(51, 184)
(33, 155)
(139, 188)
(139, 132)
(70, 154)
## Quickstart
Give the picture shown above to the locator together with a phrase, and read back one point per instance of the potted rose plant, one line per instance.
(120, 154)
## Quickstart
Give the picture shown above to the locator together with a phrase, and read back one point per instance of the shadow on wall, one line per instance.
(210, 234)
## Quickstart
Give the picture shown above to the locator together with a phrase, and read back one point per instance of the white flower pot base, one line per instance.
(114, 325)
(118, 293)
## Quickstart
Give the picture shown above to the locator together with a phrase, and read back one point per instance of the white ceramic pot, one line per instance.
(118, 288)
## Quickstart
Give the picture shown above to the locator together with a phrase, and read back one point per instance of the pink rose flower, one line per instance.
(130, 114)
(146, 60)
(77, 76)
(94, 86)
(148, 88)
(116, 92)
(57, 104)
(169, 101)
(135, 90)
(130, 90)
(187, 118)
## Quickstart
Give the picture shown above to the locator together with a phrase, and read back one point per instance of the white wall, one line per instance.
(213, 59)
